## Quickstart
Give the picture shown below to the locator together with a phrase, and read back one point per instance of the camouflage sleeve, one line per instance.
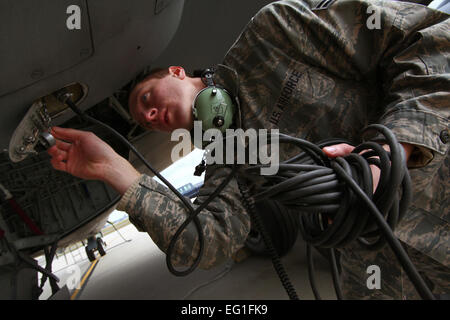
(155, 209)
(416, 81)
(400, 46)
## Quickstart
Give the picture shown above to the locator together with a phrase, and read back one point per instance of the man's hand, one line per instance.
(86, 156)
(343, 149)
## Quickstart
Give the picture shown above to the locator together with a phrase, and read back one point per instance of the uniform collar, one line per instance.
(227, 78)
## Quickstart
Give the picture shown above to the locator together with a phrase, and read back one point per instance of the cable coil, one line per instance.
(249, 204)
(322, 190)
(335, 197)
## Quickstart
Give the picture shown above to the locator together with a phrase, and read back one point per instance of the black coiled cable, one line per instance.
(249, 204)
(340, 190)
(319, 194)
(192, 212)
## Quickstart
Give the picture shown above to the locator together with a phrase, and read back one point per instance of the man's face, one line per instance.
(162, 104)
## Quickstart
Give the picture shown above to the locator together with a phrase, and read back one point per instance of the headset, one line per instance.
(213, 105)
(215, 108)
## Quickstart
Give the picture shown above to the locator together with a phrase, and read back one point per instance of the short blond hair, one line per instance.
(156, 73)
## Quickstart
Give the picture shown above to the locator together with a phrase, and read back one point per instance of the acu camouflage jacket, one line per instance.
(318, 71)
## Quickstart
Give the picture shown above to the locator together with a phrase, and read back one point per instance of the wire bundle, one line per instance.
(332, 214)
(335, 196)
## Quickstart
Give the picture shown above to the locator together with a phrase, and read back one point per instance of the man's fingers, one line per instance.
(338, 150)
(62, 155)
(63, 145)
(58, 154)
(58, 164)
(59, 147)
(67, 134)
(343, 149)
(376, 172)
(52, 150)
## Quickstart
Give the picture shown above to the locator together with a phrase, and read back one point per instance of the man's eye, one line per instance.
(146, 97)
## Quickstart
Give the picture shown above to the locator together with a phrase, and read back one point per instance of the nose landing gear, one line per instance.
(95, 244)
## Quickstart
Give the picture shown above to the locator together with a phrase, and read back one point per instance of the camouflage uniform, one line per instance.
(315, 70)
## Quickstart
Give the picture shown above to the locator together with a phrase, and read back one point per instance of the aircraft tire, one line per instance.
(90, 254)
(100, 248)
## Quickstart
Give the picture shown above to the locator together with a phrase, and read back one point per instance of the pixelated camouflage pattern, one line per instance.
(322, 74)
(158, 211)
(345, 76)
(394, 282)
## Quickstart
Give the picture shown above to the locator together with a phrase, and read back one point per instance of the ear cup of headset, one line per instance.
(213, 105)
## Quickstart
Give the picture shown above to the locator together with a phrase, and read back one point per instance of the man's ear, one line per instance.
(177, 71)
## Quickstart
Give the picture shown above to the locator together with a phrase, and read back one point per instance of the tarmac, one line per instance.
(135, 269)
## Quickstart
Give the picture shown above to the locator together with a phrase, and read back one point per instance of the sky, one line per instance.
(182, 171)
(178, 174)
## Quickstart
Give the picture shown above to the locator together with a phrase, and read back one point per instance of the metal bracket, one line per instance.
(28, 133)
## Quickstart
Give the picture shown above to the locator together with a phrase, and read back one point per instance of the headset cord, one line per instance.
(340, 190)
(249, 204)
(192, 212)
(194, 217)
